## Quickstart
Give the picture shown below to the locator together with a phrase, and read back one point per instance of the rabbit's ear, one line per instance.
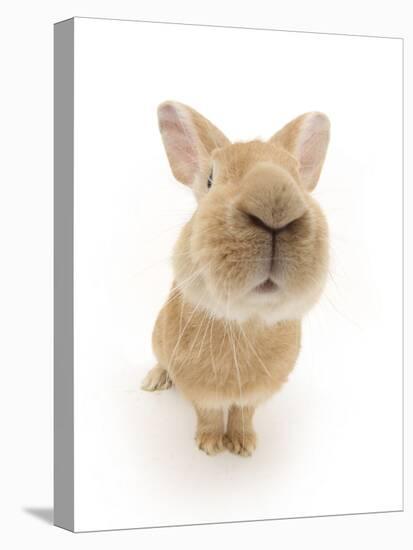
(306, 138)
(189, 139)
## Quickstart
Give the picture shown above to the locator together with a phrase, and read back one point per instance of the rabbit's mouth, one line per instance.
(266, 287)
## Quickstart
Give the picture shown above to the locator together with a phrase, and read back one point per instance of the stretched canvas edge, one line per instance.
(63, 275)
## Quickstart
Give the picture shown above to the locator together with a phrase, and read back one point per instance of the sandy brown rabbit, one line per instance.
(248, 265)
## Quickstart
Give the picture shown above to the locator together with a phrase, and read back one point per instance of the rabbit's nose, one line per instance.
(270, 198)
(259, 222)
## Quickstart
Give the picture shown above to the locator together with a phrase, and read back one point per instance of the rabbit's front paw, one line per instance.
(156, 379)
(211, 443)
(240, 443)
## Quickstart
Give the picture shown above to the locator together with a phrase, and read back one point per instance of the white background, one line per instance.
(330, 442)
(27, 275)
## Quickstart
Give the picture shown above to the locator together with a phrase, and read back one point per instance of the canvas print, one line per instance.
(228, 274)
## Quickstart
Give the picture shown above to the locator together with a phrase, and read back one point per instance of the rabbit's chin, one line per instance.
(270, 306)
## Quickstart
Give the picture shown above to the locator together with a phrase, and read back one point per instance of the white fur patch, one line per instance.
(270, 309)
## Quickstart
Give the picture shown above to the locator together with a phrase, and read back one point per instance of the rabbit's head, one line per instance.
(257, 245)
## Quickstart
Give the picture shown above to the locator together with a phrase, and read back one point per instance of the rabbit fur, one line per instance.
(248, 265)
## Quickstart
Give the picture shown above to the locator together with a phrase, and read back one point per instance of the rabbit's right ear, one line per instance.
(306, 138)
(189, 139)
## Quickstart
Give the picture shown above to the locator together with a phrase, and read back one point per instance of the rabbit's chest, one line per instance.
(224, 367)
(216, 363)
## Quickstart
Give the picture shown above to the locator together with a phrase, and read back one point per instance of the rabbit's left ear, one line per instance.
(189, 138)
(306, 138)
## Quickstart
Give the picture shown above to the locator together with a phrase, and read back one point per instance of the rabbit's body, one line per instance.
(248, 265)
(217, 363)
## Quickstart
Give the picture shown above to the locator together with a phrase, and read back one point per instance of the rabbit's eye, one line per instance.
(209, 183)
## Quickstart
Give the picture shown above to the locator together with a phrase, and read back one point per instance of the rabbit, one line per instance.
(248, 265)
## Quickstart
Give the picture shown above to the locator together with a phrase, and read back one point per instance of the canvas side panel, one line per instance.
(63, 274)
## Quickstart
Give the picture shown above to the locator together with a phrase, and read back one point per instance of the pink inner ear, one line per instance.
(179, 142)
(312, 149)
